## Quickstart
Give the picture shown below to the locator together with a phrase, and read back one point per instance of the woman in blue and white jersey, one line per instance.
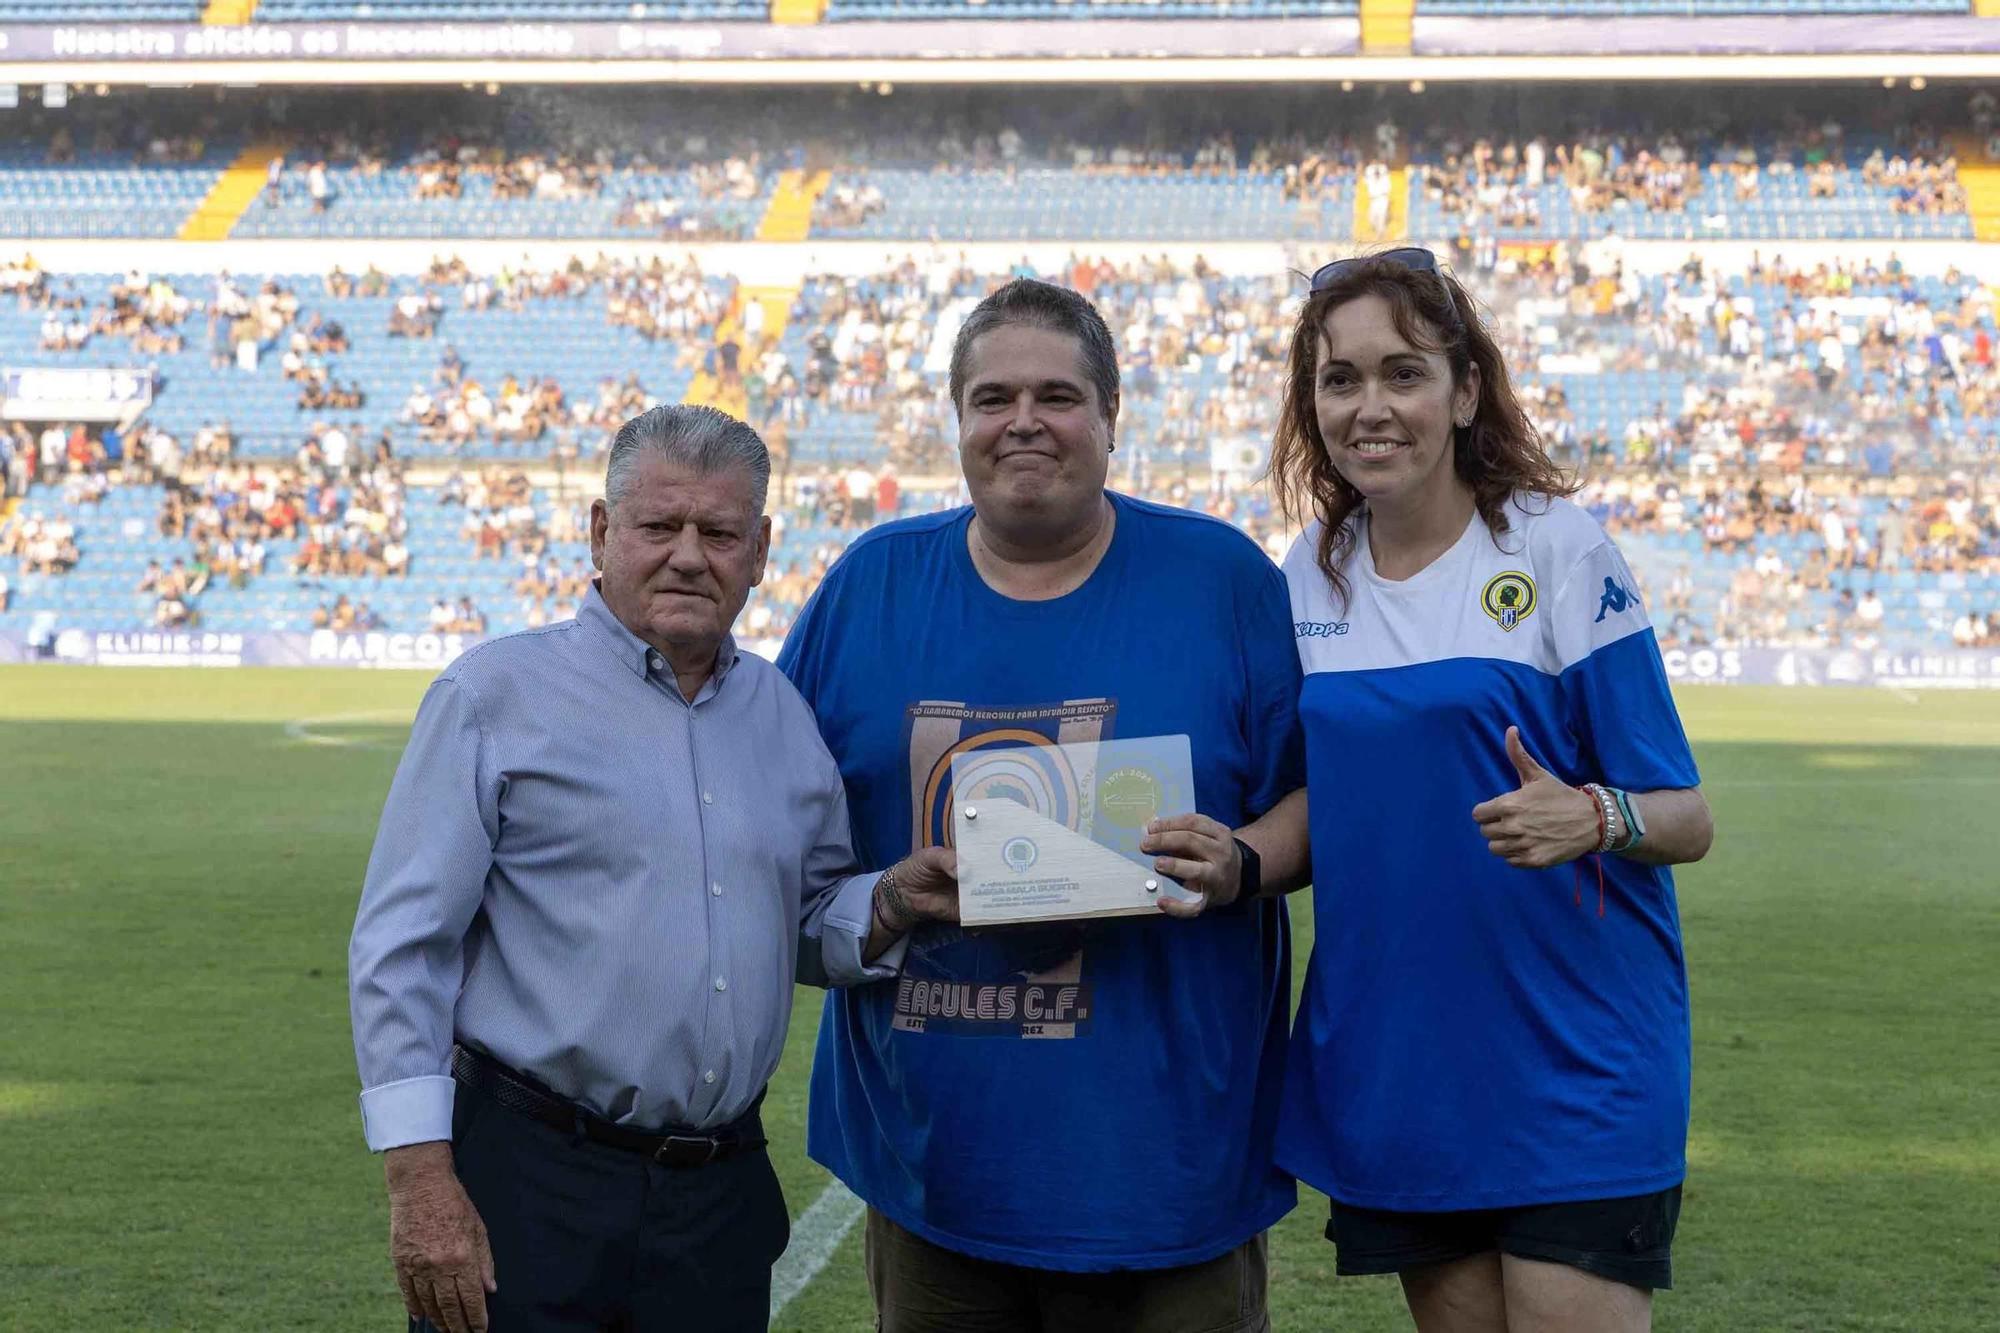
(1489, 1074)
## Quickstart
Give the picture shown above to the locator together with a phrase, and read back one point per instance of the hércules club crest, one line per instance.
(1508, 598)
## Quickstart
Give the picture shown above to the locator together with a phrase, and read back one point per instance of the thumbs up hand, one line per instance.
(1544, 823)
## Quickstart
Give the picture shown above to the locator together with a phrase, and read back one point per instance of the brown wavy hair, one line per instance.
(1498, 454)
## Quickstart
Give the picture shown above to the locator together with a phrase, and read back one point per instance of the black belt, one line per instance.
(490, 1078)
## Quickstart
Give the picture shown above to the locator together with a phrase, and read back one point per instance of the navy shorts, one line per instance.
(1628, 1240)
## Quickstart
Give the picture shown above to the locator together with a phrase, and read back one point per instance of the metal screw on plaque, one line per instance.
(972, 812)
(1152, 886)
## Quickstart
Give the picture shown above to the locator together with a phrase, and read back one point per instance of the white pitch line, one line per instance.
(301, 729)
(815, 1236)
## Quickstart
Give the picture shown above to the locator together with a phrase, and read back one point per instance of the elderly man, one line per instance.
(1106, 1166)
(610, 846)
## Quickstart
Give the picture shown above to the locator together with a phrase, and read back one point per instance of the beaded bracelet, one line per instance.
(1611, 828)
(1598, 805)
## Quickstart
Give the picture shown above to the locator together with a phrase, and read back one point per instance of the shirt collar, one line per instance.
(635, 653)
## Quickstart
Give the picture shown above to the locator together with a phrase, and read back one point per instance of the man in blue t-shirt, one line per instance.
(1060, 1126)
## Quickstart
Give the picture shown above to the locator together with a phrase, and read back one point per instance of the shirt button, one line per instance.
(720, 984)
(708, 1076)
(715, 890)
(653, 661)
(707, 798)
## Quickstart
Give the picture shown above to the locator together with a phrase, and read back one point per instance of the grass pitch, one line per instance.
(180, 1147)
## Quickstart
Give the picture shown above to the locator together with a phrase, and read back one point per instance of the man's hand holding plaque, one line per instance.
(1056, 832)
(921, 887)
(1202, 855)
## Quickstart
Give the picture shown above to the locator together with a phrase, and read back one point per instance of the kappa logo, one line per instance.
(1508, 598)
(1318, 629)
(1617, 599)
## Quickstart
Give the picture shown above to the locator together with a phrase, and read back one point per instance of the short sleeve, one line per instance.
(1614, 684)
(1276, 743)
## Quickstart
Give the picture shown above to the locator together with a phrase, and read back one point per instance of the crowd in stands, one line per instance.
(1840, 534)
(147, 313)
(538, 147)
(548, 591)
(460, 617)
(1497, 180)
(675, 154)
(340, 517)
(1805, 382)
(503, 519)
(108, 132)
(345, 614)
(658, 298)
(1804, 440)
(662, 301)
(43, 544)
(339, 508)
(1906, 389)
(1671, 153)
(1803, 423)
(1921, 185)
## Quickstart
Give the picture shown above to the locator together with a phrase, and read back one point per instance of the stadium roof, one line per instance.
(1820, 47)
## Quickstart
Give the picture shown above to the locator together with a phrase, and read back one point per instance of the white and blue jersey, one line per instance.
(1474, 1035)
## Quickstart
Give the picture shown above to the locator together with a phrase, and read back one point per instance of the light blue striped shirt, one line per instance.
(601, 884)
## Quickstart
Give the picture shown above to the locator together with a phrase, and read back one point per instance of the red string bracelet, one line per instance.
(1603, 830)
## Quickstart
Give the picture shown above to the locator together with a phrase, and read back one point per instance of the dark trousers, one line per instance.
(591, 1237)
(922, 1288)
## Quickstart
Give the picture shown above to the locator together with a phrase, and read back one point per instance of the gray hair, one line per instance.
(698, 437)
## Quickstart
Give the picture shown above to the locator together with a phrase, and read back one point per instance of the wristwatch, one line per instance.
(1635, 827)
(1251, 883)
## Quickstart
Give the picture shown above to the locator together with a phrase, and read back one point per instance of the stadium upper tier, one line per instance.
(618, 203)
(1784, 207)
(101, 193)
(1036, 202)
(954, 164)
(100, 11)
(107, 199)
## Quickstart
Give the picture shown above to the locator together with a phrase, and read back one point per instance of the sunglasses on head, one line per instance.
(1412, 257)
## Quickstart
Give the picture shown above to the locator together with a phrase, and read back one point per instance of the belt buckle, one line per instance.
(666, 1154)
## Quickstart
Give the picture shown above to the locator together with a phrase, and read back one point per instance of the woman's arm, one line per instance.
(1679, 828)
(1283, 843)
(1548, 822)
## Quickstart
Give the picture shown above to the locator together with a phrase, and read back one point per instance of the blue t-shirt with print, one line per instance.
(1088, 1096)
